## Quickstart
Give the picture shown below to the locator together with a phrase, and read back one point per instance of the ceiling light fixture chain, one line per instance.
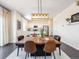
(38, 6)
(41, 6)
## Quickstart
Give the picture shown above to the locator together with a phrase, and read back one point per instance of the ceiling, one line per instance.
(26, 7)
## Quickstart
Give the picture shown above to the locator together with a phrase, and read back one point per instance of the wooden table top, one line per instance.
(37, 40)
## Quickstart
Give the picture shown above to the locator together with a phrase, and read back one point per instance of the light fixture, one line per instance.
(68, 20)
(77, 2)
(40, 14)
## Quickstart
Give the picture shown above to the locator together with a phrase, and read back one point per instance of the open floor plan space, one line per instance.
(39, 29)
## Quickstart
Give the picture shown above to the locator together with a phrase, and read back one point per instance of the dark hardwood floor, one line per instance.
(8, 49)
(70, 51)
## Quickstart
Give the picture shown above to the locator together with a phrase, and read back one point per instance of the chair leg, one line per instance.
(25, 55)
(54, 55)
(45, 55)
(18, 51)
(59, 51)
(35, 55)
(28, 55)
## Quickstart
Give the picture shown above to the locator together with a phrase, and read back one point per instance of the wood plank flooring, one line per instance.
(70, 51)
(8, 49)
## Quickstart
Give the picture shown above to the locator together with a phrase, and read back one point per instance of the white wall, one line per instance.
(68, 32)
(13, 26)
(14, 33)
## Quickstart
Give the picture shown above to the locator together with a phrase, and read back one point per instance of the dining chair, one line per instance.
(50, 47)
(58, 38)
(20, 37)
(30, 47)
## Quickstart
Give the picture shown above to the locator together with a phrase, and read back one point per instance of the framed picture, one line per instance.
(18, 25)
(75, 17)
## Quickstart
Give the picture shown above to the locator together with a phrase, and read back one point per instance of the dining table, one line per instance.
(39, 41)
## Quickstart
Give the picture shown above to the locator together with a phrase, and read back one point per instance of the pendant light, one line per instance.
(40, 14)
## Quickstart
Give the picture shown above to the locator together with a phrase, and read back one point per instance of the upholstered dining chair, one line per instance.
(30, 47)
(50, 47)
(20, 37)
(58, 38)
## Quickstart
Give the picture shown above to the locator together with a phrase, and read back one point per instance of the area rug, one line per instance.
(13, 55)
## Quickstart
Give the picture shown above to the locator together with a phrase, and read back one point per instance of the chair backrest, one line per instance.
(30, 47)
(50, 46)
(20, 37)
(57, 37)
